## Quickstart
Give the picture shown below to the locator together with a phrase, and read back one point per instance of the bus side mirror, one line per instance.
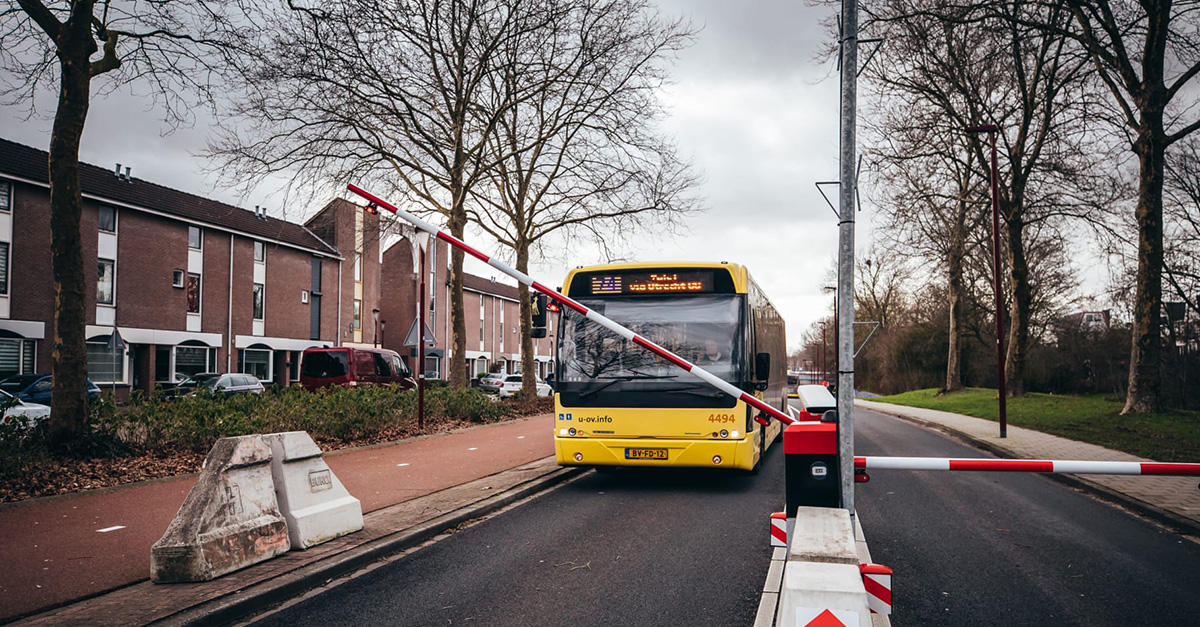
(762, 366)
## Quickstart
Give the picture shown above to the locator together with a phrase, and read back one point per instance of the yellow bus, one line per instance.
(619, 404)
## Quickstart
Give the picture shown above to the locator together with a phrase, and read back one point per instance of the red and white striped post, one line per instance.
(629, 335)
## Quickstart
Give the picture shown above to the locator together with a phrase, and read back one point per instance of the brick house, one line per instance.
(195, 285)
(190, 284)
(491, 309)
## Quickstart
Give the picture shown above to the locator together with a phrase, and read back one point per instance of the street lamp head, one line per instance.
(830, 288)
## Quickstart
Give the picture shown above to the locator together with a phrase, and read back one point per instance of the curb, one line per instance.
(1161, 516)
(260, 596)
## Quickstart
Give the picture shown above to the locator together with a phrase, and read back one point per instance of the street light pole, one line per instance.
(992, 130)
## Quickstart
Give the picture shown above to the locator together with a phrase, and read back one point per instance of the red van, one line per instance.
(353, 366)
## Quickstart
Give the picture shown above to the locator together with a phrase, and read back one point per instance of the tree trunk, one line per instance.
(528, 384)
(1018, 323)
(1144, 365)
(69, 360)
(954, 288)
(458, 324)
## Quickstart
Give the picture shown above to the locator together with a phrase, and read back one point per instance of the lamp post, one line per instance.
(992, 130)
(824, 370)
(836, 362)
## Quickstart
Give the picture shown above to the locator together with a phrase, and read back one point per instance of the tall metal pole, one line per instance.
(992, 130)
(845, 293)
(421, 343)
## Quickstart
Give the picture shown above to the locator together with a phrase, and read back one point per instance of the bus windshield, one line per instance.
(702, 329)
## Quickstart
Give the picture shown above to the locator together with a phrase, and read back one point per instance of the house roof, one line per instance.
(488, 286)
(32, 165)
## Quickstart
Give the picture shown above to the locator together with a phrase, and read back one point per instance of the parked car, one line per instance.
(793, 385)
(352, 366)
(511, 385)
(15, 408)
(815, 400)
(490, 383)
(35, 388)
(226, 384)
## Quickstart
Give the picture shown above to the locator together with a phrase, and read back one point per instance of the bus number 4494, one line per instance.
(719, 418)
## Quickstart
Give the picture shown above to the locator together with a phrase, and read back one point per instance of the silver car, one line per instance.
(15, 408)
(511, 385)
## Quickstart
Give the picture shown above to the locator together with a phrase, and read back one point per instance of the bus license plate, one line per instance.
(645, 453)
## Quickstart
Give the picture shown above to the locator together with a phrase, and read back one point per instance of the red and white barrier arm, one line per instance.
(1027, 465)
(703, 374)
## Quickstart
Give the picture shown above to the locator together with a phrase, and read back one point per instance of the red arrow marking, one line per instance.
(826, 619)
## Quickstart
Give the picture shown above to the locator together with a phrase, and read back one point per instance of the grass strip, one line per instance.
(1166, 436)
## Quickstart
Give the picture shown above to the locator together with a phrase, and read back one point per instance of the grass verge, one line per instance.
(1096, 419)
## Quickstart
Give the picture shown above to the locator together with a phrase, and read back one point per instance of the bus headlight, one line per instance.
(724, 433)
(571, 431)
(734, 434)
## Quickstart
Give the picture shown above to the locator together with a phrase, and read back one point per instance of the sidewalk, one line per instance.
(1174, 500)
(88, 554)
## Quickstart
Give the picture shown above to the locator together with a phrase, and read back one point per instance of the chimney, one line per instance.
(118, 171)
(127, 169)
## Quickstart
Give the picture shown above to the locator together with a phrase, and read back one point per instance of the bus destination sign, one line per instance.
(652, 282)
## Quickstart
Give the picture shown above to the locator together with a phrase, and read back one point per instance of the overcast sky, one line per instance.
(750, 105)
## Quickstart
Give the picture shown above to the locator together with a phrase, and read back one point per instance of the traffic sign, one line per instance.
(411, 338)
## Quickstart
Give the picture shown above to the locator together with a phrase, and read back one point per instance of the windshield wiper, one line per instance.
(696, 390)
(608, 381)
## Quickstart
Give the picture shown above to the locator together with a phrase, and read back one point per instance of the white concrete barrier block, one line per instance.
(822, 534)
(229, 520)
(825, 594)
(316, 505)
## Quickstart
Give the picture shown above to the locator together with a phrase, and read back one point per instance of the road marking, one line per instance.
(473, 448)
(402, 465)
(520, 437)
(108, 529)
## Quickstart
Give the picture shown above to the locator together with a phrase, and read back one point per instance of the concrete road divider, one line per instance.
(822, 584)
(315, 504)
(228, 521)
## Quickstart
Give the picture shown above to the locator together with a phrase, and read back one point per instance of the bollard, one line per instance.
(314, 502)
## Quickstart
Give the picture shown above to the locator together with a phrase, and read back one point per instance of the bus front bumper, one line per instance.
(639, 452)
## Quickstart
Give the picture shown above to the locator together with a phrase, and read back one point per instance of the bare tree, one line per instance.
(580, 156)
(391, 93)
(1147, 56)
(177, 48)
(974, 70)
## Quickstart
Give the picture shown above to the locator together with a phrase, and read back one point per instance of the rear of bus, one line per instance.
(618, 404)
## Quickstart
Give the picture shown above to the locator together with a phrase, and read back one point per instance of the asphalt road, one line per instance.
(629, 548)
(691, 548)
(973, 548)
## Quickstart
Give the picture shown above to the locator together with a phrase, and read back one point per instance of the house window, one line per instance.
(4, 267)
(193, 293)
(500, 332)
(357, 314)
(481, 322)
(16, 357)
(5, 196)
(190, 360)
(104, 281)
(195, 238)
(260, 252)
(256, 362)
(107, 219)
(104, 364)
(258, 301)
(358, 267)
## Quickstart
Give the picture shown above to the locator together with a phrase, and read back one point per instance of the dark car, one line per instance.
(352, 366)
(35, 388)
(217, 383)
(188, 385)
